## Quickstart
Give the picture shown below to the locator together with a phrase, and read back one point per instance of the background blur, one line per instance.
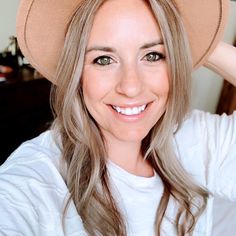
(24, 104)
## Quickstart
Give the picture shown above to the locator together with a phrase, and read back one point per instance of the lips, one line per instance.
(130, 111)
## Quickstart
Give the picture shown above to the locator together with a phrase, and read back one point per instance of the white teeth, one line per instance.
(118, 109)
(143, 107)
(130, 111)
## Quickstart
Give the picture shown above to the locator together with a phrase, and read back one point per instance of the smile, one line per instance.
(130, 111)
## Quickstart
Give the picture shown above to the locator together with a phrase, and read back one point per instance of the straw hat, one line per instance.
(42, 24)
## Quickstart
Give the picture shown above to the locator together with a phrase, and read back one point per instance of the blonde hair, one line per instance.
(82, 145)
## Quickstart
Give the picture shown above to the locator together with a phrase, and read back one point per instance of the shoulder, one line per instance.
(209, 132)
(206, 146)
(200, 123)
(33, 192)
(36, 158)
(35, 164)
(43, 145)
(32, 189)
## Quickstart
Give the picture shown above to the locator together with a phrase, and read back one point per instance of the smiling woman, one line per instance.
(125, 38)
(120, 158)
(117, 81)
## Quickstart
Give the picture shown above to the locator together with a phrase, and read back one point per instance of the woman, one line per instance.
(124, 156)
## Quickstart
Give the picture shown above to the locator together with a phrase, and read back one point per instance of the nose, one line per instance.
(130, 83)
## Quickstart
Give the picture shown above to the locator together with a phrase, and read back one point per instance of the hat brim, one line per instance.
(42, 25)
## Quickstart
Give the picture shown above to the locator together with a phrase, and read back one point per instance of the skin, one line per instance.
(126, 39)
(222, 61)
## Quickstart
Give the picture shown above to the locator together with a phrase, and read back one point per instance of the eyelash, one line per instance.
(157, 56)
(96, 60)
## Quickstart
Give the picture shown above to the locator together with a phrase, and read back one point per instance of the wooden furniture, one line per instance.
(227, 102)
(24, 111)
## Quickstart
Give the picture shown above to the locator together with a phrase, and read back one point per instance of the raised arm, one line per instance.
(223, 61)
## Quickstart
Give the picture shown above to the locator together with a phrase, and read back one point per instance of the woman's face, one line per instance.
(125, 81)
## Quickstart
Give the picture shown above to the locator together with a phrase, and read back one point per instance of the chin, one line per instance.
(132, 136)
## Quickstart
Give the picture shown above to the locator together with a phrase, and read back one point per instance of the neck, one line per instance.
(128, 156)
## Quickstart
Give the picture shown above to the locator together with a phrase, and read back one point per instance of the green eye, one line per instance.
(154, 56)
(103, 61)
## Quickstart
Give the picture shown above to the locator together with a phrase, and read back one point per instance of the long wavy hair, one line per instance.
(82, 144)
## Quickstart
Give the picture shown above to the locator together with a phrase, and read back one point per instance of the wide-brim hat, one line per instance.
(42, 25)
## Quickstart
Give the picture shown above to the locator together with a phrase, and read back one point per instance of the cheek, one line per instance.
(160, 83)
(94, 85)
(165, 83)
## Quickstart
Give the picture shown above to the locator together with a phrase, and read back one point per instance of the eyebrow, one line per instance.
(152, 44)
(111, 49)
(101, 48)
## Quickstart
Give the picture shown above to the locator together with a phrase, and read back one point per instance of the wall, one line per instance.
(206, 84)
(8, 10)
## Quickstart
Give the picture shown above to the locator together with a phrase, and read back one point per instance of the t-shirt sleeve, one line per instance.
(222, 146)
(18, 216)
(33, 193)
(206, 146)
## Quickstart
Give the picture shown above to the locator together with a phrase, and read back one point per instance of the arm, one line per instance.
(223, 61)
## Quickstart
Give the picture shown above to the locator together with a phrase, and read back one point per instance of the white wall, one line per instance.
(8, 10)
(207, 85)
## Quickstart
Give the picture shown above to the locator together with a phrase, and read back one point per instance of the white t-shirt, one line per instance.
(33, 192)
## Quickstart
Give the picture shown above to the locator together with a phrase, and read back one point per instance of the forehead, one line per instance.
(121, 20)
